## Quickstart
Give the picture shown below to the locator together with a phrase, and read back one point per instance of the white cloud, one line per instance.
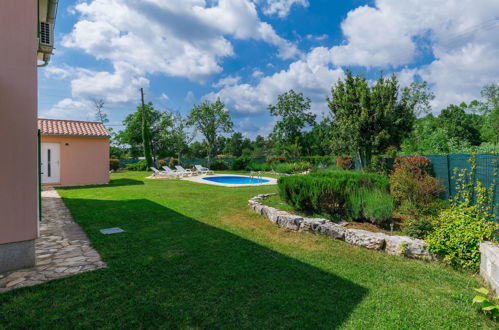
(394, 33)
(185, 38)
(58, 73)
(312, 75)
(257, 73)
(181, 38)
(281, 8)
(189, 97)
(120, 86)
(164, 97)
(320, 37)
(227, 81)
(69, 109)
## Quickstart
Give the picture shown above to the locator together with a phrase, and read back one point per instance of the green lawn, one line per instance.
(196, 256)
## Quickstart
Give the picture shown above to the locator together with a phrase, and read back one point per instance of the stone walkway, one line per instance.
(62, 249)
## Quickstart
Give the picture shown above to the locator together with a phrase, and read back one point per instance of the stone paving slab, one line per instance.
(62, 249)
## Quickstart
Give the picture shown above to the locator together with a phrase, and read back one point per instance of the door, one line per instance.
(51, 169)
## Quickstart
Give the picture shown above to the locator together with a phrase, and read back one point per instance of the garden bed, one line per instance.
(275, 201)
(391, 244)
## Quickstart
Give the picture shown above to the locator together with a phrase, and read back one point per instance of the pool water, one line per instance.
(235, 179)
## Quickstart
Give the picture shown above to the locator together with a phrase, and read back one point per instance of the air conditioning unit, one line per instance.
(46, 37)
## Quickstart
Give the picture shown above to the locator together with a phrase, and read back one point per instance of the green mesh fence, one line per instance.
(444, 168)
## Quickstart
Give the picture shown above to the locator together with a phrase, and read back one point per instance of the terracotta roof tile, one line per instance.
(71, 127)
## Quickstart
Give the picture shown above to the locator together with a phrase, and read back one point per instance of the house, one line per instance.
(73, 153)
(26, 37)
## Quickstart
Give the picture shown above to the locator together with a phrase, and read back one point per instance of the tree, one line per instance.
(156, 121)
(317, 142)
(369, 120)
(211, 119)
(490, 109)
(197, 149)
(234, 145)
(459, 125)
(294, 112)
(179, 137)
(100, 115)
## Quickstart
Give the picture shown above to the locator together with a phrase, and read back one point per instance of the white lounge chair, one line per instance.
(171, 172)
(183, 171)
(157, 172)
(203, 170)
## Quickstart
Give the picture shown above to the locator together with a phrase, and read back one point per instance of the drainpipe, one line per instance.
(39, 180)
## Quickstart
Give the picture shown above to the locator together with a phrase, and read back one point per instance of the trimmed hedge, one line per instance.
(141, 165)
(327, 192)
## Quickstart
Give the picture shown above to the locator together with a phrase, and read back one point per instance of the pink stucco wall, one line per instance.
(84, 160)
(18, 121)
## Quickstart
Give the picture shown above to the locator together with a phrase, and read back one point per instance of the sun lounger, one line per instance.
(183, 171)
(203, 170)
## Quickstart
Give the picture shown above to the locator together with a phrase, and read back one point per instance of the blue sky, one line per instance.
(248, 51)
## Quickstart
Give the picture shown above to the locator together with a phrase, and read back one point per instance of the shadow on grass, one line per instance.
(169, 270)
(112, 183)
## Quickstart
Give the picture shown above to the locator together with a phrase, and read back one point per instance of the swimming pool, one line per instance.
(234, 179)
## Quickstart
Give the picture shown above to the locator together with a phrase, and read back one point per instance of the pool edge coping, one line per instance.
(199, 179)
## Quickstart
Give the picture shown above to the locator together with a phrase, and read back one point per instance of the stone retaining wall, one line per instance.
(395, 245)
(489, 264)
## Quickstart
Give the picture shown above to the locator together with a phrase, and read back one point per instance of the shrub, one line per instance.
(173, 161)
(141, 165)
(378, 165)
(410, 181)
(457, 236)
(418, 226)
(289, 168)
(219, 165)
(276, 159)
(240, 163)
(114, 164)
(488, 306)
(345, 162)
(160, 163)
(259, 167)
(330, 168)
(417, 165)
(326, 192)
(460, 229)
(374, 205)
(319, 160)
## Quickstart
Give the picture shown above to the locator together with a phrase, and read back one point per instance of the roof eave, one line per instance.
(75, 135)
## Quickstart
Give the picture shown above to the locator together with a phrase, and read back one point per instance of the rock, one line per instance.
(259, 208)
(315, 225)
(15, 282)
(267, 211)
(364, 238)
(406, 246)
(305, 225)
(332, 230)
(289, 221)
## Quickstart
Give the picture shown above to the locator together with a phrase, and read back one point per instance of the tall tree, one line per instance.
(234, 145)
(293, 109)
(490, 109)
(179, 136)
(100, 115)
(460, 125)
(368, 120)
(211, 119)
(157, 123)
